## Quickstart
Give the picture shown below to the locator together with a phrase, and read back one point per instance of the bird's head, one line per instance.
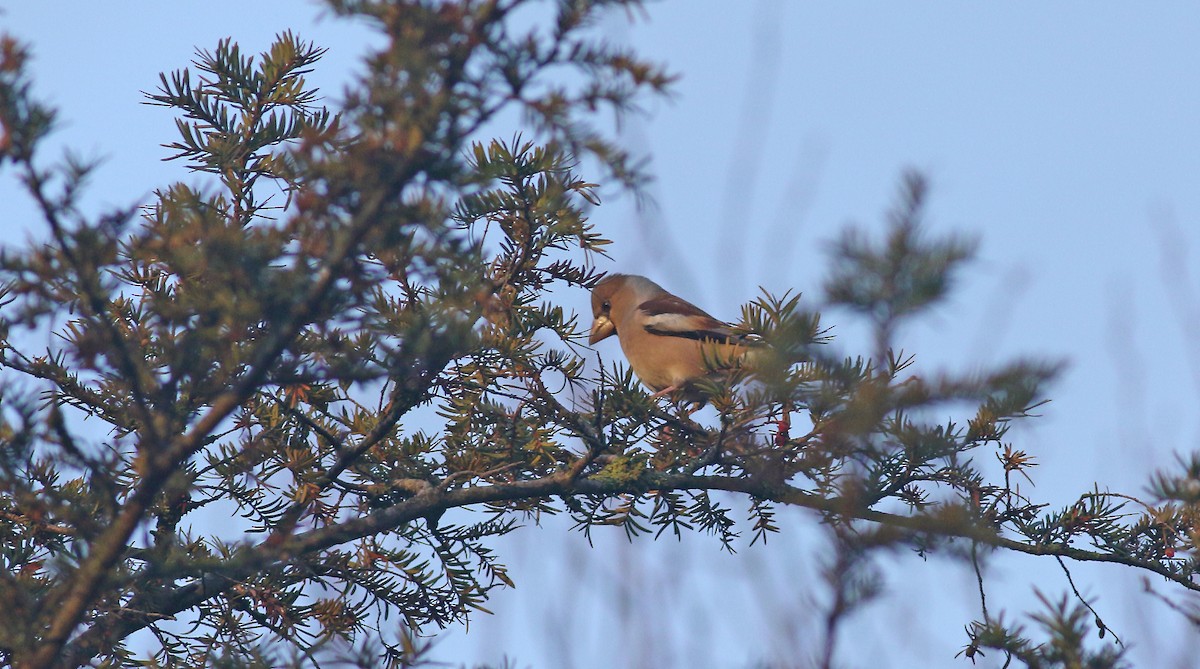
(603, 293)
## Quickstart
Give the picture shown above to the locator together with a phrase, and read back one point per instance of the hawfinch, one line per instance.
(667, 340)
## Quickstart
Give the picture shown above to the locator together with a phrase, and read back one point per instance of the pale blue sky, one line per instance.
(1065, 134)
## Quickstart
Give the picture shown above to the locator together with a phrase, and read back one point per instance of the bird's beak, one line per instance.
(601, 328)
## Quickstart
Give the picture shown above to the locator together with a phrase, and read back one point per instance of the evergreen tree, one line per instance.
(347, 336)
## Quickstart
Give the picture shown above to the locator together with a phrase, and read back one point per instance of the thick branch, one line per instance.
(433, 501)
(159, 464)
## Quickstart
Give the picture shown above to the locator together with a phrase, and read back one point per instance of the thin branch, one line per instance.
(1099, 622)
(979, 579)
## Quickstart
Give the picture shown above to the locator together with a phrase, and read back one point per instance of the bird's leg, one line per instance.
(664, 392)
(682, 402)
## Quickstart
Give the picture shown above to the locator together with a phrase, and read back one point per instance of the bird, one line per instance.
(668, 341)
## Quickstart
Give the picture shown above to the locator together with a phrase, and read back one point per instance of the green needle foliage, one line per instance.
(290, 403)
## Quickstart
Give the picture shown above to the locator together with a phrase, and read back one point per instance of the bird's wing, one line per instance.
(671, 316)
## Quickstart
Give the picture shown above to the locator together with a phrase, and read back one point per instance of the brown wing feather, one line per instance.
(670, 304)
(701, 325)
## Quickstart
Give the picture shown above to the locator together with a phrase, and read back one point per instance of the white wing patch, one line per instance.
(679, 324)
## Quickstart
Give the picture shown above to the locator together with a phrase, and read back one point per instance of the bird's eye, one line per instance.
(606, 306)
